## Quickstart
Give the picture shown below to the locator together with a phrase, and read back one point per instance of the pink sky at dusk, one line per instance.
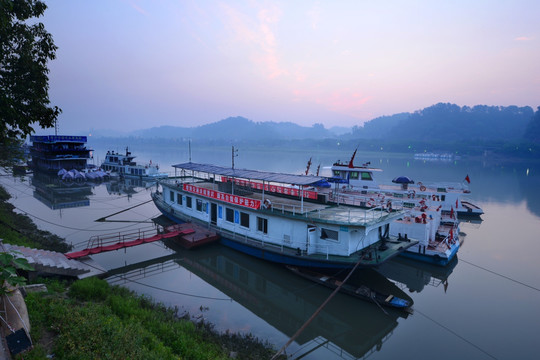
(128, 64)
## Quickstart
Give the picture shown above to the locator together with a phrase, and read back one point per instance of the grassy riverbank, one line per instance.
(89, 319)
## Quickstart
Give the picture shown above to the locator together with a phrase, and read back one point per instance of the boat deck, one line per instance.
(331, 213)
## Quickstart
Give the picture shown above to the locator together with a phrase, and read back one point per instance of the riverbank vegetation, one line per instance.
(89, 319)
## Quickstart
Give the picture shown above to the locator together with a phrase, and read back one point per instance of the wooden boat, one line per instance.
(360, 291)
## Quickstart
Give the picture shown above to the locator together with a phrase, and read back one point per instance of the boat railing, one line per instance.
(370, 201)
(322, 212)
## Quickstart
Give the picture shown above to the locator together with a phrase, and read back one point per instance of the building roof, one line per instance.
(251, 174)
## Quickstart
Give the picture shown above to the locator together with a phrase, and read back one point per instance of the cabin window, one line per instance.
(329, 234)
(179, 198)
(188, 202)
(199, 205)
(366, 176)
(353, 175)
(262, 225)
(336, 173)
(229, 215)
(244, 219)
(172, 195)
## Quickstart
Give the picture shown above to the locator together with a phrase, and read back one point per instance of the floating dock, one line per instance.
(188, 235)
(193, 235)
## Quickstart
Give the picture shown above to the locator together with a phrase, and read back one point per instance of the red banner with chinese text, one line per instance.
(308, 194)
(218, 195)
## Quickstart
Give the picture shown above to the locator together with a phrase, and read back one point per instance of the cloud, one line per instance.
(137, 8)
(314, 15)
(257, 33)
(523, 38)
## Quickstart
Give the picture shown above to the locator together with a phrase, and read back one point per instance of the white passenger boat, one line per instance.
(360, 182)
(437, 234)
(123, 165)
(261, 214)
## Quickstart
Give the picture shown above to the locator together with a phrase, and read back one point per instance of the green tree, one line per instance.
(25, 49)
(532, 133)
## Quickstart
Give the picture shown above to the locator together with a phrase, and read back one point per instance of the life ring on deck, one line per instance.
(267, 204)
(422, 188)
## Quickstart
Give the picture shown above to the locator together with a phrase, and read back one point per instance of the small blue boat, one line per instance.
(360, 291)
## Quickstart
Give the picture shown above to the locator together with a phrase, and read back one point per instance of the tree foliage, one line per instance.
(532, 133)
(9, 264)
(25, 49)
(450, 122)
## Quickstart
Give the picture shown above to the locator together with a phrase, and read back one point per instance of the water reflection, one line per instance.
(56, 194)
(416, 275)
(127, 186)
(347, 326)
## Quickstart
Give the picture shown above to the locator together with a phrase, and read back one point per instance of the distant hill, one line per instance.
(450, 122)
(439, 124)
(239, 128)
(378, 128)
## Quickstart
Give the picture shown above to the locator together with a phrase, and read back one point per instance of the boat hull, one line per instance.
(433, 259)
(259, 250)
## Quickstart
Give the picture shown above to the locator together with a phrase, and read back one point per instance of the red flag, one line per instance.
(451, 212)
(467, 179)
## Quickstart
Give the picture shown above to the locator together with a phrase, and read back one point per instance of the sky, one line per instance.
(126, 65)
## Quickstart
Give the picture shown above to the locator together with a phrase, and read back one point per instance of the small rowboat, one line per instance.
(360, 291)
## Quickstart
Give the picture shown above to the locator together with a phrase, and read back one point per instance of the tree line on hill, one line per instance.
(440, 122)
(441, 127)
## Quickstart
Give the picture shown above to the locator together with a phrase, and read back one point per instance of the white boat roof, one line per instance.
(251, 174)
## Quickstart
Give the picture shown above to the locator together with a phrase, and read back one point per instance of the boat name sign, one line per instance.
(218, 195)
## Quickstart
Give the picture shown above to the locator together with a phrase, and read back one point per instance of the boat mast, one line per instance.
(234, 154)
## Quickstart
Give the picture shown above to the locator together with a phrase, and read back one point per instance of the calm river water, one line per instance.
(485, 305)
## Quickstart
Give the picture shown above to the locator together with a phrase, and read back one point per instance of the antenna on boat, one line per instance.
(318, 168)
(189, 150)
(234, 154)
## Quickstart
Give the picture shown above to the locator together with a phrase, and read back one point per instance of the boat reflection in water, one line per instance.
(127, 186)
(347, 326)
(416, 275)
(56, 194)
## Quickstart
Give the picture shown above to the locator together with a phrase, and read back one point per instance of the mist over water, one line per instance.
(481, 306)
